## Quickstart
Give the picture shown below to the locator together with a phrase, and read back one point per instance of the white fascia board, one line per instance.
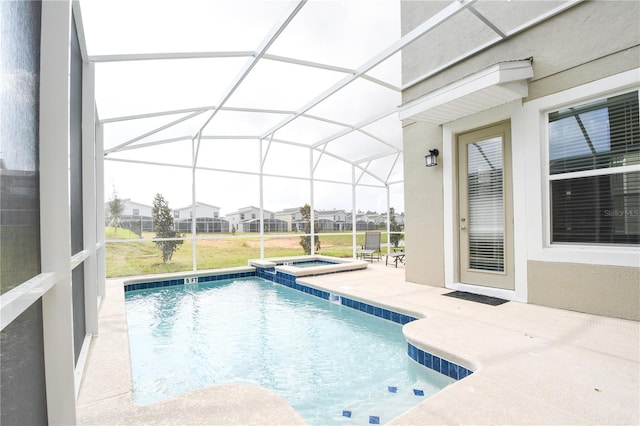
(495, 85)
(167, 56)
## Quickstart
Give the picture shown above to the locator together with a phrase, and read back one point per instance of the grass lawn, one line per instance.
(135, 257)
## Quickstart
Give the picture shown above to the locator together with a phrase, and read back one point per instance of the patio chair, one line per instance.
(371, 248)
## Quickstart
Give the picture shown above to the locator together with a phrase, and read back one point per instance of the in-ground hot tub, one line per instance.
(301, 266)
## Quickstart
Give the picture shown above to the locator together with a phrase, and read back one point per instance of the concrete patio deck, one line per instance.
(533, 365)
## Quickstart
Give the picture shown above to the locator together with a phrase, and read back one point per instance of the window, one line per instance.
(594, 172)
(176, 214)
(136, 212)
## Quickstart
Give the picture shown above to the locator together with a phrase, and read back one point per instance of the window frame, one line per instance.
(529, 130)
(549, 178)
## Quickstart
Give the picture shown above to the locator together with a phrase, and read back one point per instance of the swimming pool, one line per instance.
(332, 363)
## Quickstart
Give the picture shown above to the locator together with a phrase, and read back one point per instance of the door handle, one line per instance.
(462, 223)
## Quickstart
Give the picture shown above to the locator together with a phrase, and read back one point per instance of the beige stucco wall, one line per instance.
(586, 43)
(597, 289)
(585, 36)
(424, 237)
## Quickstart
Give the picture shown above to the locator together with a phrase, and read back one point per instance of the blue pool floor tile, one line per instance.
(374, 420)
(392, 389)
(346, 413)
(418, 392)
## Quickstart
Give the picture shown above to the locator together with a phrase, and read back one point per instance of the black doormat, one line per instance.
(487, 300)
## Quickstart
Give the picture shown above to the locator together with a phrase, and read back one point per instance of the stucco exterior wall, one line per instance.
(143, 210)
(597, 289)
(586, 43)
(423, 198)
(202, 210)
(571, 43)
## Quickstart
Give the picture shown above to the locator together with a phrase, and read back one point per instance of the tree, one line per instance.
(116, 208)
(163, 222)
(305, 241)
(394, 227)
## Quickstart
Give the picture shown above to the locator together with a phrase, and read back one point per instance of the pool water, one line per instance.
(327, 360)
(310, 263)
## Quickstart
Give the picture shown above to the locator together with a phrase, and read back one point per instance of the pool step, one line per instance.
(362, 416)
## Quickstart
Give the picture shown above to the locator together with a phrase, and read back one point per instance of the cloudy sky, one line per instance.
(157, 106)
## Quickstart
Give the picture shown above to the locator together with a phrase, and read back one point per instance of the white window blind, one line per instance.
(594, 170)
(486, 205)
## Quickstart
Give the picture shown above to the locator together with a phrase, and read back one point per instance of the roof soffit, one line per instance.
(493, 86)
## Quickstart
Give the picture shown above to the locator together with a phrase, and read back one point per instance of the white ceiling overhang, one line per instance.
(497, 85)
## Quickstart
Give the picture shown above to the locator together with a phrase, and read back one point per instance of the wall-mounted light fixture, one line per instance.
(431, 159)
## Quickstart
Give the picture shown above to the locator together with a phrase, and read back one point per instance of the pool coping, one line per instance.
(339, 265)
(532, 364)
(525, 359)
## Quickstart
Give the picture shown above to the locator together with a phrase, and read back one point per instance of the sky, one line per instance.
(231, 191)
(344, 39)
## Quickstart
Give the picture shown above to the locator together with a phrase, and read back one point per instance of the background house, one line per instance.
(333, 220)
(135, 216)
(207, 219)
(399, 218)
(269, 225)
(380, 220)
(292, 217)
(138, 217)
(202, 210)
(363, 222)
(246, 214)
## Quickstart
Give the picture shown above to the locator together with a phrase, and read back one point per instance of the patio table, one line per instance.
(397, 257)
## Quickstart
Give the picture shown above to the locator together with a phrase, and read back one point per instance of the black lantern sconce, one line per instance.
(431, 159)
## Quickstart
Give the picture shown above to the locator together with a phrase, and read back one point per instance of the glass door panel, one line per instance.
(485, 210)
(486, 205)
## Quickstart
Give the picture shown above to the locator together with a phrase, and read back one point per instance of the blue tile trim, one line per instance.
(377, 311)
(180, 281)
(441, 365)
(290, 281)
